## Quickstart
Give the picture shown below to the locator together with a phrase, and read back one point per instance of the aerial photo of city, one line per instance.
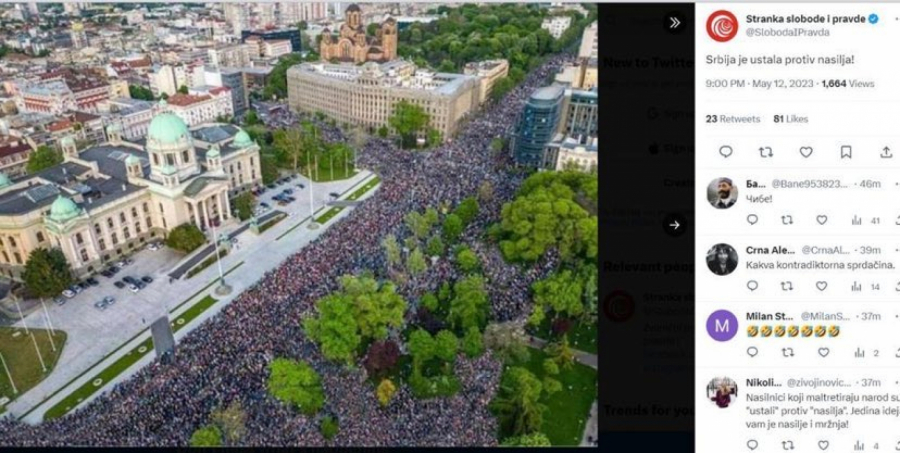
(298, 224)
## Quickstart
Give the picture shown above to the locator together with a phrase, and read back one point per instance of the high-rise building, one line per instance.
(579, 115)
(557, 25)
(79, 37)
(233, 78)
(291, 33)
(537, 125)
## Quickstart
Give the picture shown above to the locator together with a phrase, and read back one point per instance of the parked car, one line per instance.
(76, 288)
(271, 185)
(293, 176)
(140, 284)
(153, 246)
(68, 293)
(133, 288)
(92, 281)
(334, 194)
(106, 273)
(300, 185)
(129, 279)
(119, 284)
(59, 300)
(265, 205)
(147, 279)
(290, 199)
(288, 191)
(114, 269)
(128, 261)
(121, 264)
(100, 305)
(109, 300)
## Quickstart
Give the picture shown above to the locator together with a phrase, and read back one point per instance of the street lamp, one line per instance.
(222, 289)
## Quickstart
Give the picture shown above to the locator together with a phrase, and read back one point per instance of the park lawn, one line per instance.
(123, 363)
(22, 360)
(582, 335)
(325, 174)
(329, 214)
(567, 410)
(272, 222)
(362, 190)
(223, 252)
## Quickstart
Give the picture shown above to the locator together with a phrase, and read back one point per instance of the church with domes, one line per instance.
(106, 200)
(352, 44)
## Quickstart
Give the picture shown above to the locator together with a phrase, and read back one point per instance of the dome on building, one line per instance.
(242, 140)
(132, 160)
(114, 127)
(67, 141)
(167, 128)
(4, 180)
(213, 152)
(63, 209)
(353, 8)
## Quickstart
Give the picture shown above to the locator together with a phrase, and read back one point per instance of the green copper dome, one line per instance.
(63, 209)
(242, 140)
(67, 141)
(4, 180)
(213, 152)
(167, 129)
(168, 170)
(132, 160)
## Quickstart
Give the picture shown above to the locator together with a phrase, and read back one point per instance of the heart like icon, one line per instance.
(806, 151)
(822, 219)
(821, 285)
(823, 445)
(824, 353)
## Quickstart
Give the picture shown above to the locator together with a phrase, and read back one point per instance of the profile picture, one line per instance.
(722, 259)
(722, 391)
(721, 193)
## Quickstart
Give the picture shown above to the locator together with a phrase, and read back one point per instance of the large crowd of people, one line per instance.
(225, 359)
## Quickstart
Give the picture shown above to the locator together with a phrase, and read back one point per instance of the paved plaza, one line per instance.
(93, 334)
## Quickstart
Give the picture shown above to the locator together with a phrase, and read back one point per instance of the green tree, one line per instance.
(562, 292)
(561, 353)
(420, 225)
(486, 191)
(535, 439)
(446, 66)
(429, 301)
(551, 386)
(329, 427)
(445, 346)
(183, 89)
(360, 309)
(421, 347)
(268, 168)
(408, 120)
(467, 210)
(467, 260)
(435, 246)
(469, 306)
(231, 421)
(545, 214)
(497, 144)
(517, 404)
(290, 143)
(296, 383)
(207, 436)
(415, 262)
(244, 204)
(139, 92)
(508, 341)
(391, 250)
(251, 118)
(42, 158)
(47, 272)
(385, 391)
(383, 131)
(472, 343)
(550, 367)
(185, 238)
(453, 227)
(276, 82)
(335, 329)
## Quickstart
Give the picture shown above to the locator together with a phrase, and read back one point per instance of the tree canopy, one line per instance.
(185, 238)
(408, 120)
(517, 405)
(296, 383)
(546, 213)
(42, 158)
(207, 436)
(360, 309)
(469, 306)
(47, 272)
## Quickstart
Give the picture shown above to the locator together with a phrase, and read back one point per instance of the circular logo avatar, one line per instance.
(722, 26)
